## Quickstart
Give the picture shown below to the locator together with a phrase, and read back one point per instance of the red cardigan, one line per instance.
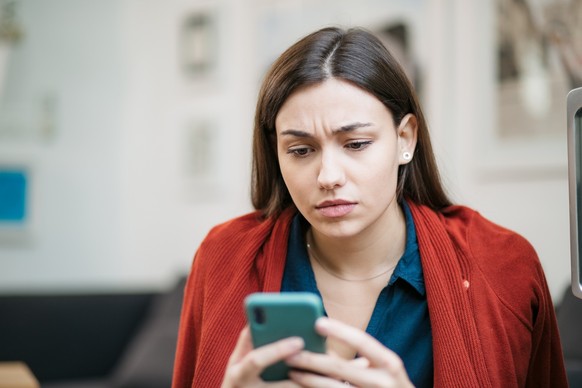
(492, 318)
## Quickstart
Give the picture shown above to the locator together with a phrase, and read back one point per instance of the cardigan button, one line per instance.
(466, 284)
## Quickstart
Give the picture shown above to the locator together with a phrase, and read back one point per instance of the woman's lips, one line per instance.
(335, 209)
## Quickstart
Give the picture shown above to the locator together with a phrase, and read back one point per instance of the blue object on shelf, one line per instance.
(13, 184)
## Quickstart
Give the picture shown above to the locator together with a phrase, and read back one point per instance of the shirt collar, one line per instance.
(409, 267)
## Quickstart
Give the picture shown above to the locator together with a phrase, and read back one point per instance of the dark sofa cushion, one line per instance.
(69, 336)
(149, 359)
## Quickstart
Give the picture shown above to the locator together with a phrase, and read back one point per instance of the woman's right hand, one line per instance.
(246, 364)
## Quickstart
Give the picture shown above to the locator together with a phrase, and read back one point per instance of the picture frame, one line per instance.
(15, 204)
(202, 160)
(525, 136)
(198, 44)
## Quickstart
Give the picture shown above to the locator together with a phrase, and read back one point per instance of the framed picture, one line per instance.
(396, 35)
(25, 117)
(15, 183)
(537, 51)
(202, 160)
(198, 44)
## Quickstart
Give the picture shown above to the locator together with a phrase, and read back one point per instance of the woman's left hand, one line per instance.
(376, 366)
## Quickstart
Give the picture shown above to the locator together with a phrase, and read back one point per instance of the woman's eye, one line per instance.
(300, 151)
(358, 145)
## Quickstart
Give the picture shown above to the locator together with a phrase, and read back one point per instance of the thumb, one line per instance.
(243, 346)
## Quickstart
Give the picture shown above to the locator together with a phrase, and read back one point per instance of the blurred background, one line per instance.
(125, 125)
(125, 135)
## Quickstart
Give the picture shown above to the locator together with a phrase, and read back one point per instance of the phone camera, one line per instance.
(260, 317)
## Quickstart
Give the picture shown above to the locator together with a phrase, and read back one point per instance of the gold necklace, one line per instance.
(311, 249)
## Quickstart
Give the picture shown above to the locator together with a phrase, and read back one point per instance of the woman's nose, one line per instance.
(331, 173)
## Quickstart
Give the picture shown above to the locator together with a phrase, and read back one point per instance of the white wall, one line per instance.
(71, 52)
(114, 204)
(165, 211)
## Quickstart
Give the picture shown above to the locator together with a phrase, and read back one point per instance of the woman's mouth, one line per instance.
(334, 209)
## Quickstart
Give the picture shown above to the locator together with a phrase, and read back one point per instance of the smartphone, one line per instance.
(274, 316)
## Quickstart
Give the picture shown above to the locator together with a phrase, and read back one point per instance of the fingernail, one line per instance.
(322, 323)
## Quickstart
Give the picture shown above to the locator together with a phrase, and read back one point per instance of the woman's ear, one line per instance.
(407, 135)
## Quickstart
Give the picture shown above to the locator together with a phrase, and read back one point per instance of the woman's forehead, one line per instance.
(335, 103)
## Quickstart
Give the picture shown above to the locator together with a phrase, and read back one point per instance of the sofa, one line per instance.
(93, 340)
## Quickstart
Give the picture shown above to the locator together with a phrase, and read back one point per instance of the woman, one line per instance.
(349, 205)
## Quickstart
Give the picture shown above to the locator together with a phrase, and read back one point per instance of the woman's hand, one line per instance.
(246, 364)
(376, 366)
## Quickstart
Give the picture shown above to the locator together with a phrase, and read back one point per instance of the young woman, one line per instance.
(349, 206)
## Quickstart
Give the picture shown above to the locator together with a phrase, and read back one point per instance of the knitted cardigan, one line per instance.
(491, 314)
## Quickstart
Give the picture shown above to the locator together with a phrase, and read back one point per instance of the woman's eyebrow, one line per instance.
(295, 132)
(343, 128)
(350, 127)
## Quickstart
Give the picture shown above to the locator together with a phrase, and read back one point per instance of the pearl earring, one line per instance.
(406, 155)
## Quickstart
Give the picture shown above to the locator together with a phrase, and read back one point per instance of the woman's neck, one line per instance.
(375, 250)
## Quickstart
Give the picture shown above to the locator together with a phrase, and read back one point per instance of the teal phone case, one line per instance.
(274, 316)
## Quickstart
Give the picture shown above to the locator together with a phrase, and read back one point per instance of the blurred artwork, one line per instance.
(539, 60)
(201, 144)
(198, 44)
(21, 119)
(10, 34)
(202, 155)
(15, 220)
(13, 184)
(396, 37)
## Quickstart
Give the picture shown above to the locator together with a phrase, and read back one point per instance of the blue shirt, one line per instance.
(400, 318)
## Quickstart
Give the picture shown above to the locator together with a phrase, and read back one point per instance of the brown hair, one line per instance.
(358, 57)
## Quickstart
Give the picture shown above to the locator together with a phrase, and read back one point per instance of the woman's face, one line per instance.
(339, 153)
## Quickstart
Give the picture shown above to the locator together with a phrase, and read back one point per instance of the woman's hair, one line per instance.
(356, 56)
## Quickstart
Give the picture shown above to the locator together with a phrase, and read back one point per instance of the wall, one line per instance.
(115, 202)
(71, 53)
